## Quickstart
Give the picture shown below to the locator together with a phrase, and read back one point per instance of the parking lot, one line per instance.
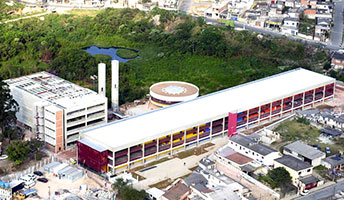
(44, 190)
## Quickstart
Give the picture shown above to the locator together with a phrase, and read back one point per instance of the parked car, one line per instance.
(38, 173)
(32, 176)
(44, 180)
(327, 150)
(316, 147)
(3, 157)
(29, 184)
(304, 192)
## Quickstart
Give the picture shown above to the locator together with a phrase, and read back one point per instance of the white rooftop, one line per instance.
(148, 126)
(53, 89)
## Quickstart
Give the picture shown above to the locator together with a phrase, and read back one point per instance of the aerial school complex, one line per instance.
(137, 140)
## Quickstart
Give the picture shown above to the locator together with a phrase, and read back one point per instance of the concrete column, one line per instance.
(143, 151)
(270, 111)
(282, 103)
(171, 145)
(259, 110)
(157, 149)
(114, 161)
(128, 158)
(303, 100)
(292, 103)
(247, 119)
(313, 98)
(223, 124)
(184, 139)
(323, 98)
(211, 130)
(197, 141)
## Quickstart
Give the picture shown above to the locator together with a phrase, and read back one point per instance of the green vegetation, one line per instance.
(127, 53)
(8, 12)
(8, 109)
(307, 26)
(295, 130)
(126, 191)
(277, 178)
(172, 47)
(19, 151)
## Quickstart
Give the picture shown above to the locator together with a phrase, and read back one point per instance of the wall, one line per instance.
(92, 158)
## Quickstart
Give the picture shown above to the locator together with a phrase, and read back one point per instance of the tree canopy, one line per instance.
(18, 151)
(8, 109)
(280, 177)
(126, 191)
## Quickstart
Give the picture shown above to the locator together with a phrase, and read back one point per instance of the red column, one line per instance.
(232, 124)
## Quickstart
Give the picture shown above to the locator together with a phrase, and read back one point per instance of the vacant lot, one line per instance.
(294, 130)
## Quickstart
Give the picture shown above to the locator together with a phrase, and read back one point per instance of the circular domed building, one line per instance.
(167, 93)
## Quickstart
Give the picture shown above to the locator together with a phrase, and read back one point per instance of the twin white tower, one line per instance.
(114, 82)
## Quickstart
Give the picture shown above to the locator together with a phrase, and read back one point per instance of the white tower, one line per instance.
(114, 84)
(101, 79)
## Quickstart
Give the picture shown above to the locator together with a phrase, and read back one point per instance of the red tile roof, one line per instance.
(239, 158)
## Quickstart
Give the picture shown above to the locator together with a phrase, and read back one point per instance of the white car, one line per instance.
(29, 184)
(31, 176)
(3, 157)
(304, 192)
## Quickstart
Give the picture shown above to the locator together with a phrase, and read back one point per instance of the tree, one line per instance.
(8, 109)
(127, 192)
(280, 176)
(18, 151)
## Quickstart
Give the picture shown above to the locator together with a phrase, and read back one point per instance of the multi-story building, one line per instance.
(124, 144)
(55, 109)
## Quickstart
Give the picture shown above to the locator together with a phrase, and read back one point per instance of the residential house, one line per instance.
(294, 12)
(335, 162)
(322, 28)
(177, 191)
(324, 5)
(337, 60)
(323, 13)
(280, 5)
(155, 193)
(297, 4)
(218, 10)
(290, 3)
(274, 23)
(206, 164)
(296, 168)
(253, 149)
(330, 132)
(310, 13)
(312, 3)
(290, 26)
(304, 152)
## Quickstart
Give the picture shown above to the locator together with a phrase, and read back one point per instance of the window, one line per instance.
(299, 173)
(262, 157)
(308, 170)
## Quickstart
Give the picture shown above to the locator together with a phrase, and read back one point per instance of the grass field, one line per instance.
(127, 53)
(195, 151)
(84, 12)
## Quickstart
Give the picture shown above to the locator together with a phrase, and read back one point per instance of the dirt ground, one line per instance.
(55, 184)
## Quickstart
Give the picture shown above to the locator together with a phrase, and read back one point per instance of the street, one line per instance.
(326, 193)
(337, 30)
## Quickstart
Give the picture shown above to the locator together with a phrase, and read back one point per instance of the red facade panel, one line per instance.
(92, 158)
(232, 124)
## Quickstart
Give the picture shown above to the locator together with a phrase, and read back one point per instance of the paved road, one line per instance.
(337, 30)
(326, 193)
(185, 5)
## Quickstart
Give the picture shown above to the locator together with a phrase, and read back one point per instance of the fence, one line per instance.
(30, 170)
